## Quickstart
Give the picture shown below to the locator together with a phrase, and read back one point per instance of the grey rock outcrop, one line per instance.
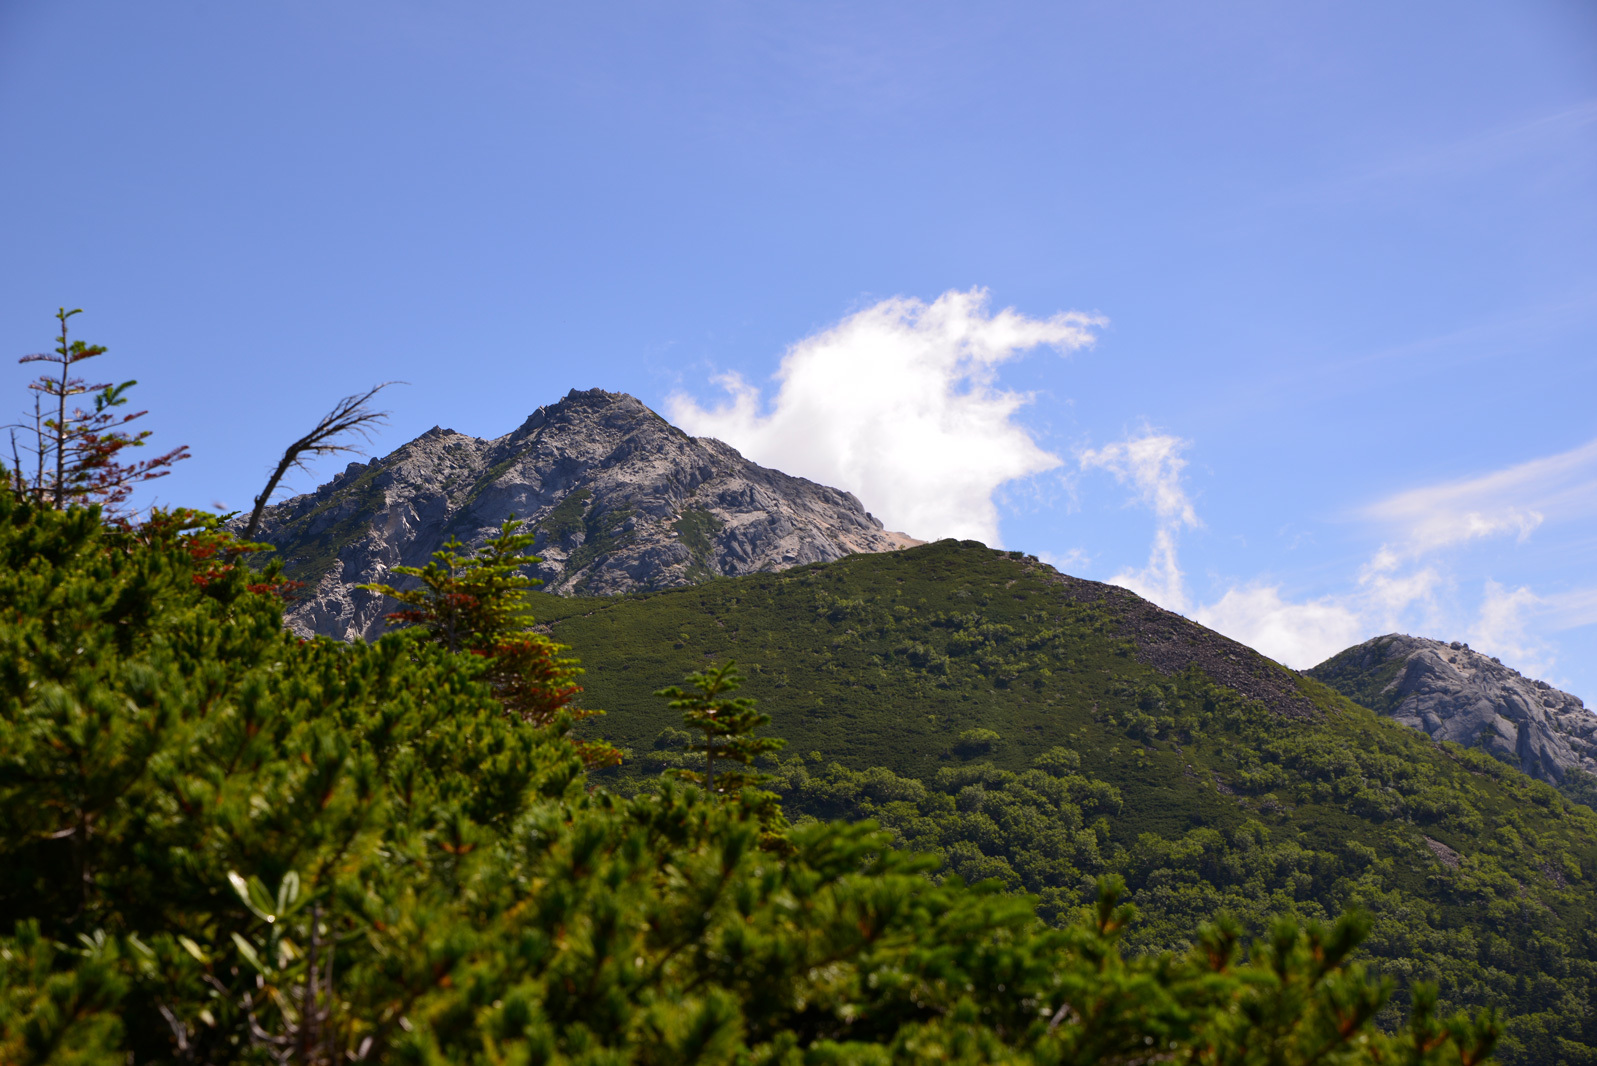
(1455, 693)
(620, 501)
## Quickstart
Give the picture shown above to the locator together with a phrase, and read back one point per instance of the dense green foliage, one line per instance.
(221, 843)
(476, 602)
(982, 710)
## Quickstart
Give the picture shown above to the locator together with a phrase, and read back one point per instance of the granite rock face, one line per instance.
(1455, 693)
(620, 501)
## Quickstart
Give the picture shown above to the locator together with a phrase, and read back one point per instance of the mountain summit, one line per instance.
(1452, 692)
(619, 498)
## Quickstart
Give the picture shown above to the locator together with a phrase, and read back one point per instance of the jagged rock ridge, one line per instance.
(1453, 692)
(620, 501)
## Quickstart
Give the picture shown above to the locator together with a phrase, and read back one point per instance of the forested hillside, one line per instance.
(1041, 730)
(221, 843)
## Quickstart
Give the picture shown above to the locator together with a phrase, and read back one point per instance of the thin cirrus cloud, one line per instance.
(1544, 138)
(1566, 610)
(899, 403)
(1151, 465)
(1399, 584)
(1514, 500)
(1533, 137)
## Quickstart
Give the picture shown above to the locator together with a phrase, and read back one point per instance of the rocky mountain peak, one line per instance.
(1452, 692)
(620, 501)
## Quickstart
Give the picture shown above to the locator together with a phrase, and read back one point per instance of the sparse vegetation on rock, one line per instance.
(1452, 692)
(618, 499)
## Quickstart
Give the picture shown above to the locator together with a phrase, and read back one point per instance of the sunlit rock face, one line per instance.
(1455, 693)
(620, 500)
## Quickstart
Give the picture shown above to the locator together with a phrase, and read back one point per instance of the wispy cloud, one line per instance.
(1515, 500)
(1486, 148)
(1299, 634)
(1543, 138)
(1151, 465)
(1425, 526)
(1382, 597)
(1068, 562)
(1567, 610)
(1402, 582)
(1503, 626)
(899, 403)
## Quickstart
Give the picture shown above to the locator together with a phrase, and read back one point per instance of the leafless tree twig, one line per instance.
(350, 416)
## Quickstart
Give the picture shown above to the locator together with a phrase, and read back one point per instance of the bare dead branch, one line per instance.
(350, 417)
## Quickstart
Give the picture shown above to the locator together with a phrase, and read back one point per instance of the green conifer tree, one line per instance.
(76, 453)
(477, 603)
(728, 724)
(469, 601)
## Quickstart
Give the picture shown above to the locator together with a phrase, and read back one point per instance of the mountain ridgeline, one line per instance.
(620, 500)
(1041, 730)
(1452, 692)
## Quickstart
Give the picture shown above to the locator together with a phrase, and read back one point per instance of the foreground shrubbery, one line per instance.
(221, 843)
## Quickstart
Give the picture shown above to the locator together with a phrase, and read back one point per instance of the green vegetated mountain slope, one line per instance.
(222, 844)
(1041, 729)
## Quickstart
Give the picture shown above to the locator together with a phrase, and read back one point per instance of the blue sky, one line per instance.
(1282, 314)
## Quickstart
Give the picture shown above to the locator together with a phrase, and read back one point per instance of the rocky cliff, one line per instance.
(1455, 693)
(620, 501)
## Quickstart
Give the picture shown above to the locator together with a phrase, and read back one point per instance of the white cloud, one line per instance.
(1398, 587)
(1152, 465)
(1405, 574)
(1305, 633)
(1300, 635)
(1389, 586)
(1503, 628)
(1516, 500)
(899, 404)
(1162, 580)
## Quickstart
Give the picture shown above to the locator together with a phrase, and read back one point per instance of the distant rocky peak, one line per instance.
(620, 500)
(1452, 692)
